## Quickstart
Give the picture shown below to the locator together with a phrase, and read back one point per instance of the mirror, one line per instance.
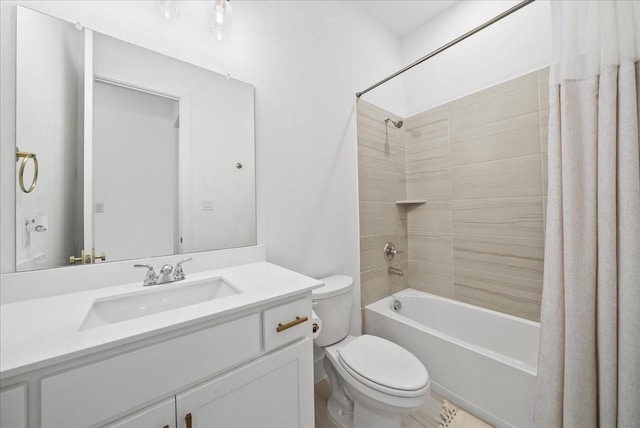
(139, 154)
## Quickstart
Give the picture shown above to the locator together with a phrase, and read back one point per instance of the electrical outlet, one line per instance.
(99, 207)
(206, 205)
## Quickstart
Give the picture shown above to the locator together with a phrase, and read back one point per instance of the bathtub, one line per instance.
(483, 360)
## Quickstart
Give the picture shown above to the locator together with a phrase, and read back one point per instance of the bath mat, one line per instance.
(452, 417)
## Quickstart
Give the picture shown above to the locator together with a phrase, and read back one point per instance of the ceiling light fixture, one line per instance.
(168, 9)
(220, 13)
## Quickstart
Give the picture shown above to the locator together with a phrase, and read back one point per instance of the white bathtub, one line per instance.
(483, 360)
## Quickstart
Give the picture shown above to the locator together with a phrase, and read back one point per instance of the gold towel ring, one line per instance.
(25, 158)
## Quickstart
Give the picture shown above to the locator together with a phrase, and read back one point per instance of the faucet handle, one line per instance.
(178, 273)
(151, 277)
(179, 264)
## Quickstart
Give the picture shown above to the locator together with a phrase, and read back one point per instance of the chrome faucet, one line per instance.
(165, 273)
(151, 277)
(178, 274)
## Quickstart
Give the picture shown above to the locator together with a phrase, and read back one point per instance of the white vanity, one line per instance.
(243, 358)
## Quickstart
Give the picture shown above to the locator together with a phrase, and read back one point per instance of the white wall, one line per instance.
(306, 60)
(516, 45)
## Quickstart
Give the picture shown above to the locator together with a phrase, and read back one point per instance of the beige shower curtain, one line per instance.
(589, 358)
(589, 361)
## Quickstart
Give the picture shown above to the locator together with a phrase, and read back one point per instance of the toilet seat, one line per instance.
(384, 366)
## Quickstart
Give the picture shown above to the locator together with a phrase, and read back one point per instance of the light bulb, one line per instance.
(168, 9)
(220, 13)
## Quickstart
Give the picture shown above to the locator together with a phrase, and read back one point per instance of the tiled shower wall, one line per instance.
(480, 162)
(381, 181)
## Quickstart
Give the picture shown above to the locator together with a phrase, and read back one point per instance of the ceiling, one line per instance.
(403, 17)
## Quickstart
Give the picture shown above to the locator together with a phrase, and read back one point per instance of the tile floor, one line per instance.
(424, 417)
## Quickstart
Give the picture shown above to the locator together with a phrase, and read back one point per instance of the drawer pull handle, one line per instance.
(166, 426)
(187, 419)
(298, 320)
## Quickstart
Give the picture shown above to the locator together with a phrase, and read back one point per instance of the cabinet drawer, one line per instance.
(96, 392)
(284, 324)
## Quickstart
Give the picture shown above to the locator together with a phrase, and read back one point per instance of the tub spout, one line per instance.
(394, 271)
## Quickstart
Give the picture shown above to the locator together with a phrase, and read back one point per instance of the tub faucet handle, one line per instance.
(390, 251)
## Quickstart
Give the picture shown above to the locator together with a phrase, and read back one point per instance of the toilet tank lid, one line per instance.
(333, 286)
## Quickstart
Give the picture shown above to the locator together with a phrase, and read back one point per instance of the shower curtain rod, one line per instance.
(448, 45)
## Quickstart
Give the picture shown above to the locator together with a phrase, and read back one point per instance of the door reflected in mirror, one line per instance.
(139, 153)
(135, 172)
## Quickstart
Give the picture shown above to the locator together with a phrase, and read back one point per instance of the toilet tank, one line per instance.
(332, 303)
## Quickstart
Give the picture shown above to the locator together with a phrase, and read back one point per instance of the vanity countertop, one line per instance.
(41, 332)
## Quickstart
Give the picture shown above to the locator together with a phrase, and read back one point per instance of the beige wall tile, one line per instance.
(432, 185)
(544, 212)
(512, 286)
(379, 185)
(432, 217)
(480, 162)
(379, 218)
(518, 136)
(401, 170)
(366, 110)
(431, 278)
(503, 216)
(373, 154)
(399, 283)
(544, 130)
(434, 156)
(504, 178)
(498, 302)
(382, 181)
(511, 99)
(543, 87)
(521, 257)
(428, 124)
(545, 173)
(375, 284)
(508, 87)
(431, 248)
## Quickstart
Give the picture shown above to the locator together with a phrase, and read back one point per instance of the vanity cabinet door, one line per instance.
(273, 391)
(161, 415)
(13, 407)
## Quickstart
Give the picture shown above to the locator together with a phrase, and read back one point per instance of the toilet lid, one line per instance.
(384, 363)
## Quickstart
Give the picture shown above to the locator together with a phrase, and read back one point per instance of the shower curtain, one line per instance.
(589, 359)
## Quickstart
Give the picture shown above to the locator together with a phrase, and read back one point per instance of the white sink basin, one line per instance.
(154, 299)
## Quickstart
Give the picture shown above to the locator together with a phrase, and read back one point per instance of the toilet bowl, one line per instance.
(374, 382)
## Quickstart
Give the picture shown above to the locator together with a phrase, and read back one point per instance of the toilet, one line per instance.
(374, 382)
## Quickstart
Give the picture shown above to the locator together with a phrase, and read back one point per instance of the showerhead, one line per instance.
(397, 124)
